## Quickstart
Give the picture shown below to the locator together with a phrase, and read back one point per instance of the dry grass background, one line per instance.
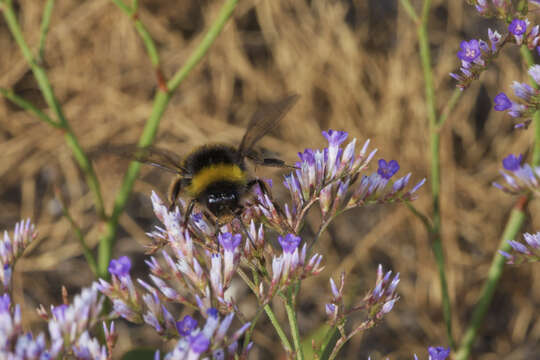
(356, 66)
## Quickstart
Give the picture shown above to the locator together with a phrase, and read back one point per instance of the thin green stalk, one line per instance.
(44, 30)
(329, 343)
(409, 9)
(517, 217)
(78, 233)
(48, 94)
(456, 95)
(290, 306)
(28, 106)
(279, 330)
(146, 38)
(249, 332)
(435, 235)
(513, 226)
(161, 101)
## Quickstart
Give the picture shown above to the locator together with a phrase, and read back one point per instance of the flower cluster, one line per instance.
(376, 303)
(529, 251)
(434, 353)
(210, 339)
(520, 178)
(528, 98)
(11, 248)
(475, 55)
(332, 178)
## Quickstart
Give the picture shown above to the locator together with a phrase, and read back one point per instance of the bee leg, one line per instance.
(189, 210)
(174, 191)
(270, 162)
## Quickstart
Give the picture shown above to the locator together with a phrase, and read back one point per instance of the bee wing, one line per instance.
(263, 121)
(151, 155)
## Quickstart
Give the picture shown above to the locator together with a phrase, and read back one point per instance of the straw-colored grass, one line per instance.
(356, 66)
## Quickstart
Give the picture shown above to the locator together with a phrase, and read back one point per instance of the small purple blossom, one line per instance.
(534, 72)
(186, 325)
(512, 162)
(334, 137)
(528, 251)
(120, 267)
(502, 102)
(438, 353)
(387, 169)
(229, 241)
(199, 343)
(289, 242)
(517, 27)
(470, 50)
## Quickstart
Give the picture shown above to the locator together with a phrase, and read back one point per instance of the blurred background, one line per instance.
(356, 66)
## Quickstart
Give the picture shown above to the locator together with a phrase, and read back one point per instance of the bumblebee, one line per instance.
(215, 175)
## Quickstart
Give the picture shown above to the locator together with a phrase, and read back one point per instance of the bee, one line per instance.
(215, 175)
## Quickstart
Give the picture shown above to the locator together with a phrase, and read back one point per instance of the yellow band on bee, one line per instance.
(213, 174)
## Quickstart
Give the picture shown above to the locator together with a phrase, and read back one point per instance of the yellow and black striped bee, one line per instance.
(214, 175)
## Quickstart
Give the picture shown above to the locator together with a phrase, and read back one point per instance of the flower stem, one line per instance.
(279, 330)
(47, 91)
(290, 306)
(45, 22)
(28, 106)
(161, 101)
(517, 217)
(513, 226)
(436, 232)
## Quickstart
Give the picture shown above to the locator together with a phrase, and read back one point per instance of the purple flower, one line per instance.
(213, 312)
(120, 267)
(502, 102)
(534, 72)
(199, 343)
(470, 50)
(229, 241)
(186, 325)
(387, 169)
(289, 243)
(438, 353)
(512, 162)
(522, 90)
(335, 138)
(5, 302)
(517, 27)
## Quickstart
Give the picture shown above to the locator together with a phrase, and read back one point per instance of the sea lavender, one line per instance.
(208, 340)
(12, 247)
(528, 99)
(375, 304)
(520, 178)
(527, 251)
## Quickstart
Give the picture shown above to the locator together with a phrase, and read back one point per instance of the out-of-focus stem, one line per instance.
(46, 89)
(435, 234)
(279, 330)
(28, 106)
(513, 226)
(161, 101)
(45, 22)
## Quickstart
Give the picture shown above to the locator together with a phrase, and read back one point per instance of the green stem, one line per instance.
(28, 106)
(456, 95)
(290, 306)
(279, 330)
(409, 9)
(436, 232)
(161, 101)
(513, 226)
(52, 102)
(44, 30)
(146, 38)
(329, 342)
(517, 217)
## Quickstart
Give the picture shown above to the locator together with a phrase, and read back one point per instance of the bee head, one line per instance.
(222, 200)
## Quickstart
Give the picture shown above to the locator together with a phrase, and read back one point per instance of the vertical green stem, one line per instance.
(435, 234)
(290, 308)
(513, 226)
(282, 336)
(45, 22)
(495, 271)
(161, 101)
